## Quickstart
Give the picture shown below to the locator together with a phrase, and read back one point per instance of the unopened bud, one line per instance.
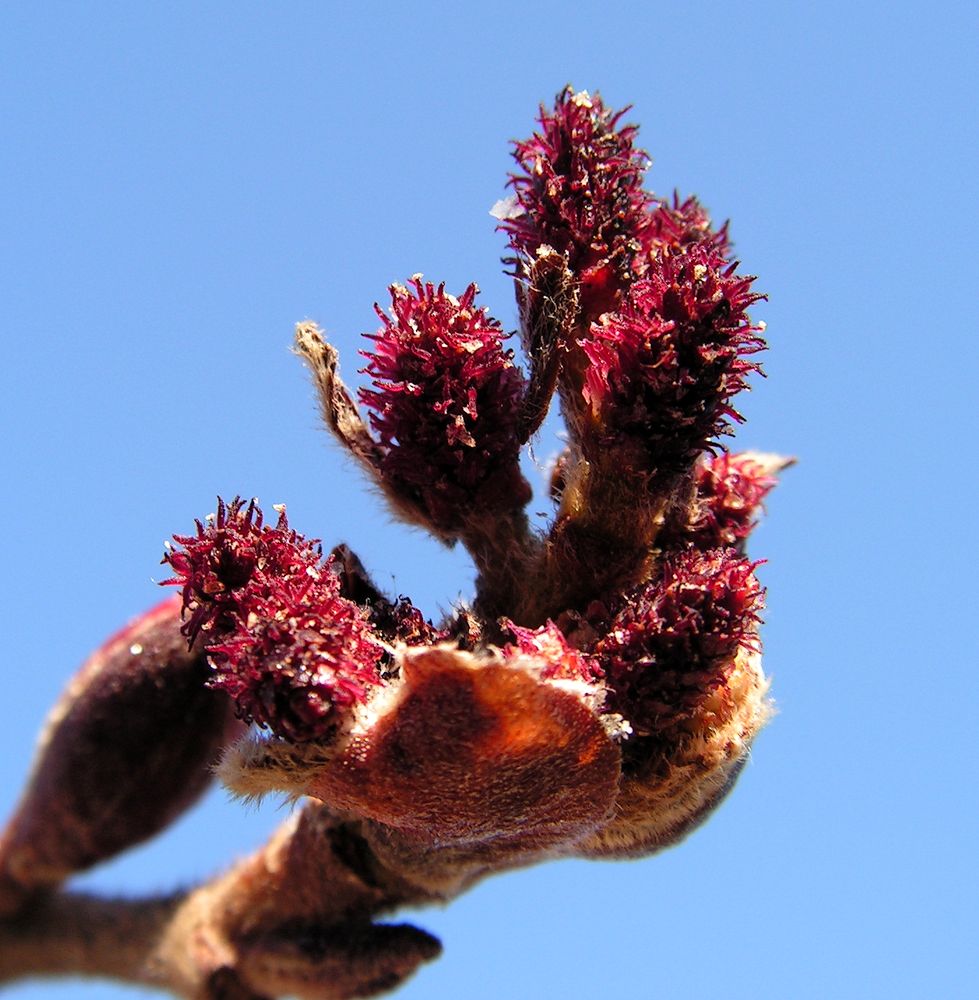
(126, 750)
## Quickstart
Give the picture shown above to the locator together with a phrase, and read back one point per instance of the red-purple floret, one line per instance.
(548, 643)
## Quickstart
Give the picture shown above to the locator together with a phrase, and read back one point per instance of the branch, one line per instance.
(294, 919)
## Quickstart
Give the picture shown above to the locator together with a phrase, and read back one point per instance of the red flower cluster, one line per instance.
(646, 382)
(673, 639)
(664, 366)
(597, 698)
(446, 403)
(730, 491)
(681, 224)
(282, 641)
(580, 191)
(561, 660)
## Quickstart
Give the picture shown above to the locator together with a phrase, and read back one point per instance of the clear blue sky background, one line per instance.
(182, 182)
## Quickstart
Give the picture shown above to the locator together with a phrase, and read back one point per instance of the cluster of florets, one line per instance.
(665, 364)
(284, 644)
(558, 658)
(236, 565)
(633, 311)
(579, 191)
(730, 492)
(596, 699)
(446, 404)
(662, 342)
(674, 637)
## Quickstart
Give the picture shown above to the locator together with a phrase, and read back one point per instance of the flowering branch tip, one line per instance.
(598, 697)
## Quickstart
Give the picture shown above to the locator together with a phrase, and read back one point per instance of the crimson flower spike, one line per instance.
(289, 649)
(664, 367)
(598, 697)
(730, 491)
(445, 402)
(579, 191)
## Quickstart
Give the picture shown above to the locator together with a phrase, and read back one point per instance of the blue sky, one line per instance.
(182, 182)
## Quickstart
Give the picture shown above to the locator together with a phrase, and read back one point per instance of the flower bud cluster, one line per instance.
(445, 403)
(579, 191)
(639, 598)
(730, 492)
(674, 637)
(283, 643)
(664, 366)
(663, 340)
(632, 309)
